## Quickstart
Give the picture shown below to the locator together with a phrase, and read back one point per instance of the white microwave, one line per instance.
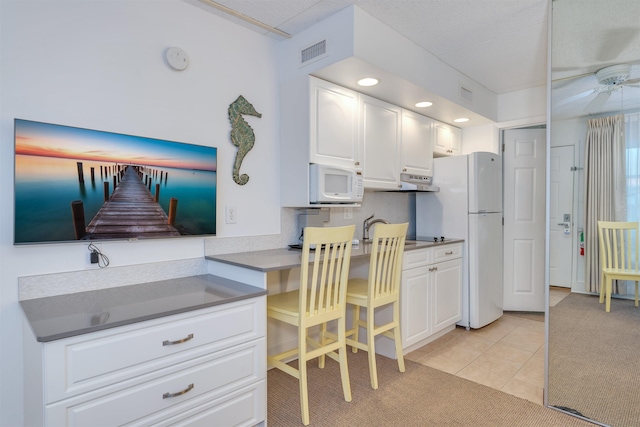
(331, 184)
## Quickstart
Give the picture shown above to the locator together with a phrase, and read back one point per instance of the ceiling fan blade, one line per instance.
(598, 102)
(572, 98)
(630, 82)
(564, 81)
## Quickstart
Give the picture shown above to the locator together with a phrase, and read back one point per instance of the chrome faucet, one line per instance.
(368, 223)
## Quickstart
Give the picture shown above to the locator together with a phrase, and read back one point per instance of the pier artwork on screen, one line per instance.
(77, 184)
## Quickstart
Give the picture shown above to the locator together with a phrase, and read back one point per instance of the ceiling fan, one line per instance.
(609, 80)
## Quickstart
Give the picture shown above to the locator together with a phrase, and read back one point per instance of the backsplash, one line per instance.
(394, 207)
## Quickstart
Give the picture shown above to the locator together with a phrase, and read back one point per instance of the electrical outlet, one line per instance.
(348, 213)
(231, 214)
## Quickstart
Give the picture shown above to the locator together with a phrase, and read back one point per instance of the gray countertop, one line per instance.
(281, 259)
(63, 316)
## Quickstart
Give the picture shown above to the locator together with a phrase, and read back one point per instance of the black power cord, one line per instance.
(98, 257)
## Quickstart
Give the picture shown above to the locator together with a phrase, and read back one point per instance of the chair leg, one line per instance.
(371, 348)
(323, 340)
(356, 327)
(602, 287)
(608, 295)
(342, 354)
(304, 396)
(396, 336)
(636, 293)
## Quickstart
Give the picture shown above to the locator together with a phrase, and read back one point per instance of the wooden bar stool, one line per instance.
(324, 272)
(381, 288)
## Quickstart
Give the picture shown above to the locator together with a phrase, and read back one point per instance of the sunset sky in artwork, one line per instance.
(48, 140)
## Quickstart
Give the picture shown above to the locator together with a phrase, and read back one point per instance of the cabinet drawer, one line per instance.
(101, 359)
(216, 375)
(447, 252)
(417, 258)
(244, 407)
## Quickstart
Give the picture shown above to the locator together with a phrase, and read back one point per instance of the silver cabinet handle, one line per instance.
(449, 253)
(167, 342)
(180, 393)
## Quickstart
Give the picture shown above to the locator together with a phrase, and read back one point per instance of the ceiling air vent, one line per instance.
(313, 52)
(466, 95)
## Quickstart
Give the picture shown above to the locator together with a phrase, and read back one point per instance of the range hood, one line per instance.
(417, 183)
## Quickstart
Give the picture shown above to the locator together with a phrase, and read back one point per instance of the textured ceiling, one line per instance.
(589, 35)
(501, 44)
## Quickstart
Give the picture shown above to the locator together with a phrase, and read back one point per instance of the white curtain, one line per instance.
(632, 141)
(605, 187)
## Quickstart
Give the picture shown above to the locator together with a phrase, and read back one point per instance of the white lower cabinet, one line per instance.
(203, 367)
(430, 293)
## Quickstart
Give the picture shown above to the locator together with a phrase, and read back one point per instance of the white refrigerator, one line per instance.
(469, 206)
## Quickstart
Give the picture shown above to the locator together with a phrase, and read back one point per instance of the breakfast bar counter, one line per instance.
(286, 258)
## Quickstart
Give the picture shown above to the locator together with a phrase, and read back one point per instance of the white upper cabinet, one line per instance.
(447, 140)
(380, 136)
(417, 144)
(333, 125)
(318, 124)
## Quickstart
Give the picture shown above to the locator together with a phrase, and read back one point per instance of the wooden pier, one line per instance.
(131, 212)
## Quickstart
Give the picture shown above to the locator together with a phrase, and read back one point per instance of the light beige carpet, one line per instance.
(594, 359)
(421, 396)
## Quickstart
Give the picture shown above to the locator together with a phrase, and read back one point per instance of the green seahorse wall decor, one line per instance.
(242, 135)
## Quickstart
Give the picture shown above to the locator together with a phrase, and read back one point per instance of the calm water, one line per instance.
(46, 186)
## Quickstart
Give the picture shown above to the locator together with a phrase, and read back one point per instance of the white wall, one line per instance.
(527, 105)
(99, 65)
(481, 138)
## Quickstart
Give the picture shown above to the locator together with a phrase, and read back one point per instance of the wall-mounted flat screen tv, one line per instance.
(74, 184)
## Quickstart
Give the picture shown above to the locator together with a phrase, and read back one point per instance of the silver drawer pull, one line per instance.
(449, 253)
(167, 342)
(180, 393)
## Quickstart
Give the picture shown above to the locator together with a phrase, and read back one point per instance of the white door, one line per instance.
(524, 219)
(561, 231)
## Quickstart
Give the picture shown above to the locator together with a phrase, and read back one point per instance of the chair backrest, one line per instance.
(618, 244)
(324, 273)
(385, 265)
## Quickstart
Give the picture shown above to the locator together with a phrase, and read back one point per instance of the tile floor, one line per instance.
(507, 355)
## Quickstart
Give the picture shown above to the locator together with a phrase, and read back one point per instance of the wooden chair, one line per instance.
(381, 288)
(618, 256)
(324, 273)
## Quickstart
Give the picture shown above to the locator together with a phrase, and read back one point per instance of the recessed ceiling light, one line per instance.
(423, 104)
(461, 120)
(368, 81)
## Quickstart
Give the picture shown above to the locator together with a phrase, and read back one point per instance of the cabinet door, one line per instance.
(456, 141)
(447, 293)
(417, 144)
(442, 139)
(333, 125)
(415, 316)
(380, 140)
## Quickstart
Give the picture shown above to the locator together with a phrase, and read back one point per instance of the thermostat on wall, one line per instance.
(177, 58)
